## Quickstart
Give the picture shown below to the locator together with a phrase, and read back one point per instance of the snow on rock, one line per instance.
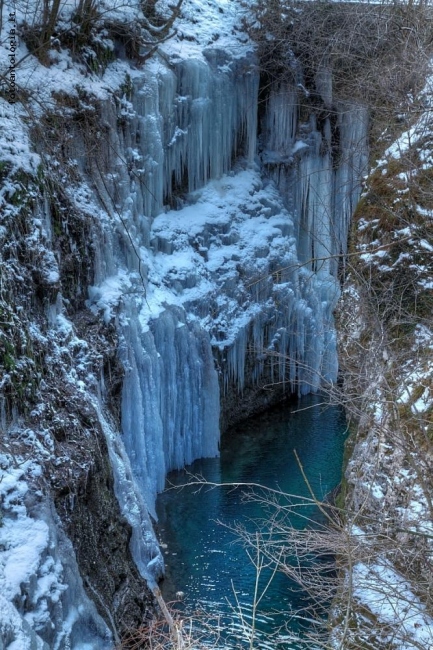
(42, 601)
(215, 275)
(391, 598)
(232, 258)
(220, 27)
(131, 495)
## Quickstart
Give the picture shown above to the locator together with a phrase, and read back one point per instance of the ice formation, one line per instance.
(217, 260)
(318, 171)
(232, 276)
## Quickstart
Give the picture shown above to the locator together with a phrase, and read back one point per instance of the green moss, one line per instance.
(5, 167)
(349, 446)
(8, 362)
(40, 175)
(99, 60)
(8, 355)
(126, 89)
(56, 218)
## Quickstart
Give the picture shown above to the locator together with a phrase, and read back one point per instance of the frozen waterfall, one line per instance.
(221, 268)
(318, 169)
(170, 400)
(175, 128)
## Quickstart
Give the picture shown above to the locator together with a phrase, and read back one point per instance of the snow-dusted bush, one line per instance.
(375, 53)
(94, 31)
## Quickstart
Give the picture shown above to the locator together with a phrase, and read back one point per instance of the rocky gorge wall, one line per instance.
(65, 543)
(385, 342)
(155, 282)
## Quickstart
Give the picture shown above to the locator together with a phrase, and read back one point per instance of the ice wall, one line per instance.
(176, 127)
(221, 268)
(318, 166)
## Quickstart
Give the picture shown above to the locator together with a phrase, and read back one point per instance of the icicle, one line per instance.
(170, 398)
(280, 124)
(236, 357)
(144, 546)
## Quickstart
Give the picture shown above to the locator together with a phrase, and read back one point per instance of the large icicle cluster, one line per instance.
(231, 262)
(170, 403)
(176, 128)
(213, 113)
(318, 171)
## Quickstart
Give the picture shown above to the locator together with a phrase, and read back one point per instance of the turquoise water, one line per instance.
(204, 556)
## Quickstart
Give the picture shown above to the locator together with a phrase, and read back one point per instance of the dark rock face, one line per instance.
(254, 398)
(236, 407)
(53, 352)
(100, 537)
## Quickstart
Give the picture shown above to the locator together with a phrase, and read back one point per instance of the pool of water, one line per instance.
(204, 557)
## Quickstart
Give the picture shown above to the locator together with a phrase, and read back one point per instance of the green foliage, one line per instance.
(5, 168)
(126, 88)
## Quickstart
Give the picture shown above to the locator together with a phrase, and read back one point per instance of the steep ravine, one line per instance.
(53, 451)
(159, 269)
(386, 343)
